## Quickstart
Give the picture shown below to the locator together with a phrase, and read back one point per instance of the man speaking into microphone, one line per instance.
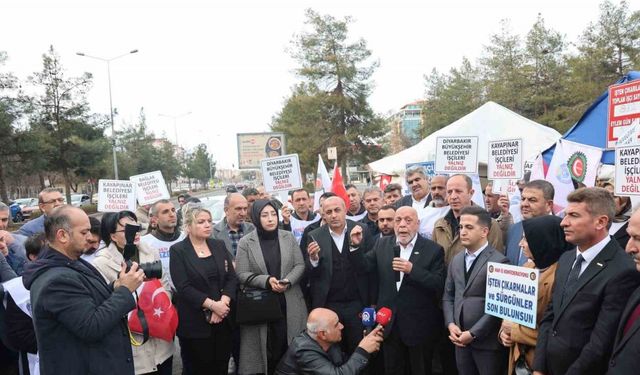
(410, 271)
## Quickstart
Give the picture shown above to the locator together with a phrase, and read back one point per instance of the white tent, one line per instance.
(490, 122)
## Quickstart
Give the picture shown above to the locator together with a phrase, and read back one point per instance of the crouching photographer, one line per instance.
(153, 323)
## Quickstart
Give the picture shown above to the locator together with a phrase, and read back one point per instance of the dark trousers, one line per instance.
(400, 359)
(276, 343)
(348, 313)
(207, 356)
(165, 368)
(473, 361)
(445, 354)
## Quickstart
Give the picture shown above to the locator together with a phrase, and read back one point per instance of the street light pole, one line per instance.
(175, 122)
(113, 131)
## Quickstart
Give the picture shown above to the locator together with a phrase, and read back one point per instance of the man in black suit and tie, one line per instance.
(592, 285)
(472, 331)
(410, 272)
(334, 282)
(624, 359)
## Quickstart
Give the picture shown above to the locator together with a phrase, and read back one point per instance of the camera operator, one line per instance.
(120, 232)
(78, 317)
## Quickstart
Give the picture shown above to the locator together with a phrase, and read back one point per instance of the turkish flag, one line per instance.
(159, 312)
(337, 186)
(385, 180)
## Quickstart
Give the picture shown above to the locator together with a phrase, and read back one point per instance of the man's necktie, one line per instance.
(573, 276)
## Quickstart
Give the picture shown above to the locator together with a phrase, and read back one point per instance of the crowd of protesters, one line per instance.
(89, 296)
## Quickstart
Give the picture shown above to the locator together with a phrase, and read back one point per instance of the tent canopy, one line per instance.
(490, 122)
(591, 129)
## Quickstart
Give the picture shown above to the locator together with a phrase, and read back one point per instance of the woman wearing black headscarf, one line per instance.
(274, 256)
(543, 242)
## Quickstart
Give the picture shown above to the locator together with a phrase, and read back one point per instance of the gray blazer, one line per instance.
(468, 300)
(249, 260)
(221, 232)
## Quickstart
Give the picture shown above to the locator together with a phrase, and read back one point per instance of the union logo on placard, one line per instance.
(577, 165)
(562, 174)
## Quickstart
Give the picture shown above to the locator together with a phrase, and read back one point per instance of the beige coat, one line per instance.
(525, 336)
(155, 351)
(249, 260)
(443, 236)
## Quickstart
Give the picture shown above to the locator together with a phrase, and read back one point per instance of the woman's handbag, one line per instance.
(257, 305)
(522, 368)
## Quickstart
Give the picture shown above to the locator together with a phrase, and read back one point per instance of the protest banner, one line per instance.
(512, 293)
(116, 196)
(624, 108)
(150, 187)
(505, 160)
(512, 191)
(429, 167)
(583, 161)
(627, 170)
(631, 136)
(298, 226)
(22, 299)
(281, 173)
(456, 155)
(253, 147)
(528, 166)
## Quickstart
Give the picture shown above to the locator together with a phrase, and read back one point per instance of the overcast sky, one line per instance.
(225, 61)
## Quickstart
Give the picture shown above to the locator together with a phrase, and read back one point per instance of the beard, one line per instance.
(438, 202)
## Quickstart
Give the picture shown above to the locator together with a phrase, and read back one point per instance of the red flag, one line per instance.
(385, 180)
(160, 314)
(337, 186)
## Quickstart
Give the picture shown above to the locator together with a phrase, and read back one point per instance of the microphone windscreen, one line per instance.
(383, 316)
(368, 317)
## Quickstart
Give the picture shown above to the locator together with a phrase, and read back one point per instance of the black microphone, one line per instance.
(396, 254)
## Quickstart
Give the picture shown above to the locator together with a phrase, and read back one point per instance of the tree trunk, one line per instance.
(41, 178)
(67, 184)
(3, 187)
(345, 174)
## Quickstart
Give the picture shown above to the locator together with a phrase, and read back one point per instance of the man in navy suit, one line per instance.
(537, 200)
(591, 287)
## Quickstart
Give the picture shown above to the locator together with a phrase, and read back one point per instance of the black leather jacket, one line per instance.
(306, 357)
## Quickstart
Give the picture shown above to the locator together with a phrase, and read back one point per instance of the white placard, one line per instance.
(631, 136)
(627, 170)
(505, 160)
(150, 187)
(512, 293)
(332, 153)
(116, 196)
(456, 155)
(281, 173)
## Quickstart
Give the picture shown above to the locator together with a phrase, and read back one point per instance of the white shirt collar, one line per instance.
(593, 251)
(477, 252)
(338, 238)
(415, 203)
(411, 243)
(336, 234)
